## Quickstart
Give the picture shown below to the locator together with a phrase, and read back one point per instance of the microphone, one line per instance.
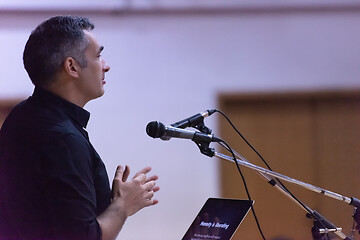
(158, 130)
(195, 121)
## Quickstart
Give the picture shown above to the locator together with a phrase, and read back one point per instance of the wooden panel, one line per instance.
(311, 137)
(338, 153)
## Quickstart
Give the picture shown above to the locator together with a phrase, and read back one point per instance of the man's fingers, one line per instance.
(149, 195)
(145, 170)
(154, 201)
(156, 188)
(117, 181)
(126, 173)
(149, 186)
(151, 202)
(140, 177)
(119, 172)
(152, 178)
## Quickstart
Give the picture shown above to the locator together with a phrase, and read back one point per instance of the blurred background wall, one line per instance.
(170, 60)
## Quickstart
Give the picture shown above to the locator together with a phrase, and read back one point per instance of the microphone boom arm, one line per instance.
(288, 179)
(267, 173)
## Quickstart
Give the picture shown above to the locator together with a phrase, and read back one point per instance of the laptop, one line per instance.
(218, 219)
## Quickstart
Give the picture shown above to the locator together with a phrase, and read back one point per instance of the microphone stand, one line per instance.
(326, 225)
(322, 226)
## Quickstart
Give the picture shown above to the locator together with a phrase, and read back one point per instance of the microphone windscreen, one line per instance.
(155, 129)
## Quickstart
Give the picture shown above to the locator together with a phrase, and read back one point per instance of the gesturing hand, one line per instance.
(136, 193)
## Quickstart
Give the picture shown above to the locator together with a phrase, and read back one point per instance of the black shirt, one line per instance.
(53, 184)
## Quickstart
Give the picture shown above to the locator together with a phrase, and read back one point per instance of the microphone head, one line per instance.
(155, 129)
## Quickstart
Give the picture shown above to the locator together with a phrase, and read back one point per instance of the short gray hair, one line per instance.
(51, 43)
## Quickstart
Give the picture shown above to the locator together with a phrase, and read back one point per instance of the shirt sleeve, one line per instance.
(69, 189)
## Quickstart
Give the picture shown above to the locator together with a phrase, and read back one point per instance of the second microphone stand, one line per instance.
(322, 226)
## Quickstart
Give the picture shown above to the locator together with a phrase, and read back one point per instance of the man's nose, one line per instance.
(106, 67)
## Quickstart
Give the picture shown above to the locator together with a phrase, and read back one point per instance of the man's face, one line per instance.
(92, 77)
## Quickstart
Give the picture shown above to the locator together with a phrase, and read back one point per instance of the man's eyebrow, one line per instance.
(101, 48)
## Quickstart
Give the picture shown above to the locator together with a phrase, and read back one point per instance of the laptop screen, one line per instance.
(218, 219)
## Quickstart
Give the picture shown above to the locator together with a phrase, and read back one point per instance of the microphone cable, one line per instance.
(267, 165)
(227, 147)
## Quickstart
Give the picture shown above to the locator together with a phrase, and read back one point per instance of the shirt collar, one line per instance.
(76, 113)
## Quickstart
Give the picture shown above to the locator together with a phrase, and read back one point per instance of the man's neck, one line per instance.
(67, 92)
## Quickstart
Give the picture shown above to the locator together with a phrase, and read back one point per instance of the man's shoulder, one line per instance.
(30, 119)
(30, 132)
(28, 112)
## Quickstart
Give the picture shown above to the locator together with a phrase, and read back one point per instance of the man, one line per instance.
(53, 184)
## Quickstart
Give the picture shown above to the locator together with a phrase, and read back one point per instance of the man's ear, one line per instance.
(71, 67)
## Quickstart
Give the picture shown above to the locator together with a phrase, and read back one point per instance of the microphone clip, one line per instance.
(205, 148)
(202, 128)
(196, 121)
